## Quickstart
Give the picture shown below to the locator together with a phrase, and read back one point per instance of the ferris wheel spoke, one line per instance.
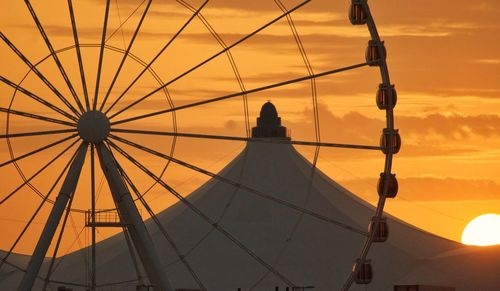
(36, 133)
(203, 216)
(32, 218)
(174, 37)
(79, 54)
(233, 183)
(125, 55)
(247, 139)
(38, 73)
(37, 98)
(248, 36)
(38, 150)
(161, 228)
(38, 172)
(101, 55)
(54, 55)
(230, 57)
(229, 96)
(36, 116)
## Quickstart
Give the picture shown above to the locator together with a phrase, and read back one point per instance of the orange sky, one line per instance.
(444, 59)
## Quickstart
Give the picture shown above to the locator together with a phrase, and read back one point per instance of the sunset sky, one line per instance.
(443, 57)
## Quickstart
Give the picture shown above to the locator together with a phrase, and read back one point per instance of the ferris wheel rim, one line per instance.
(68, 48)
(388, 156)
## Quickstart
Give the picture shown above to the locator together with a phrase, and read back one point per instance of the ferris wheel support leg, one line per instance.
(128, 211)
(67, 189)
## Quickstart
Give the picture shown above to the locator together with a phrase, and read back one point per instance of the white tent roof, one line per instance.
(305, 250)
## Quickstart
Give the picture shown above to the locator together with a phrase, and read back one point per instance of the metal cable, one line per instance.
(310, 71)
(148, 67)
(241, 186)
(305, 58)
(221, 216)
(161, 228)
(203, 216)
(234, 67)
(210, 59)
(125, 21)
(124, 58)
(216, 99)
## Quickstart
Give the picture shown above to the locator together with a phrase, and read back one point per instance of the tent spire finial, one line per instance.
(269, 123)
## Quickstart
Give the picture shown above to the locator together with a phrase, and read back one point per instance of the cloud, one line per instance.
(161, 14)
(429, 188)
(90, 33)
(487, 61)
(453, 126)
(442, 134)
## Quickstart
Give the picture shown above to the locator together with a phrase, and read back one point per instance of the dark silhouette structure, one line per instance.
(269, 123)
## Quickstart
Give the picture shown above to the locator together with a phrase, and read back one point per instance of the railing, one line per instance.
(104, 218)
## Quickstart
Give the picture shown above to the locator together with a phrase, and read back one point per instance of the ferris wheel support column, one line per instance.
(67, 189)
(128, 211)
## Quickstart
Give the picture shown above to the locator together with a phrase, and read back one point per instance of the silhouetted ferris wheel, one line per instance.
(81, 127)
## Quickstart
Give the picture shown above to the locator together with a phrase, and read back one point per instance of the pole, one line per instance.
(67, 190)
(128, 211)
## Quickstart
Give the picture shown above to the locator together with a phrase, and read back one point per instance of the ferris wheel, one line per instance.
(64, 127)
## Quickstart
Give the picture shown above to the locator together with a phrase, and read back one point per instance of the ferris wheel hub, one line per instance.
(93, 127)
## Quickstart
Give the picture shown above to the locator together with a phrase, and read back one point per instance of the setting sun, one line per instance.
(483, 230)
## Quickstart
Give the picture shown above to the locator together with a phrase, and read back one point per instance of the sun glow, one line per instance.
(483, 230)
